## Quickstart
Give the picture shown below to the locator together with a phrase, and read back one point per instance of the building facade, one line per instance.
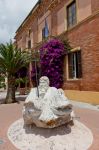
(77, 20)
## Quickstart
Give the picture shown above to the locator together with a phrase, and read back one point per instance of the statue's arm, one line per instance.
(32, 96)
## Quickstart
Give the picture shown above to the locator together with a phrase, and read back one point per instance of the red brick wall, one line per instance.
(54, 24)
(86, 36)
(24, 40)
(34, 28)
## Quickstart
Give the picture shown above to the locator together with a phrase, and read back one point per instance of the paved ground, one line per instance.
(10, 113)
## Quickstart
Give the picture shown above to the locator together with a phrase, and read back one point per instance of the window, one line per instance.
(74, 65)
(29, 32)
(45, 31)
(29, 44)
(20, 49)
(71, 14)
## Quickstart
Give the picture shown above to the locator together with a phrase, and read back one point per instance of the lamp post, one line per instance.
(35, 61)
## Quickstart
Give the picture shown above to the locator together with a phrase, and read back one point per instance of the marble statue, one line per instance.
(51, 109)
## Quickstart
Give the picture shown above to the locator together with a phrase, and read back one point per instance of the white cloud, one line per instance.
(12, 13)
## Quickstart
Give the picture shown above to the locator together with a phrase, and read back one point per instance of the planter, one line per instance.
(22, 91)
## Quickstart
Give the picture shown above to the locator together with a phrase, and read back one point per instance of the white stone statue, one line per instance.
(50, 109)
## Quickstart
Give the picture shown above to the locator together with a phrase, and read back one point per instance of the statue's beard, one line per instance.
(42, 90)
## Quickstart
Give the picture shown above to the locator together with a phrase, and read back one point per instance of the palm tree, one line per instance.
(11, 60)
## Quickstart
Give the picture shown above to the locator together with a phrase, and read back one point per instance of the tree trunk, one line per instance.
(10, 97)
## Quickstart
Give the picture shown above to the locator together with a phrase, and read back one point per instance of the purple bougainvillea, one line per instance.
(51, 59)
(51, 62)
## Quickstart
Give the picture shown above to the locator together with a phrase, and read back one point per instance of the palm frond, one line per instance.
(12, 59)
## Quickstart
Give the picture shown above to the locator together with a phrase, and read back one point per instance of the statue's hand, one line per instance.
(69, 106)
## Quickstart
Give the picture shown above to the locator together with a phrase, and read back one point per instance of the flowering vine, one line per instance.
(51, 59)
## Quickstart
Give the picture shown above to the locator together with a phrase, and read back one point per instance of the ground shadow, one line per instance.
(2, 101)
(62, 130)
(18, 99)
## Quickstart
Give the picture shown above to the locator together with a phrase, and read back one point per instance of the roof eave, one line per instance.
(31, 12)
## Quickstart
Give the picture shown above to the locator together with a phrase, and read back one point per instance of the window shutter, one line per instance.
(79, 65)
(70, 65)
(43, 33)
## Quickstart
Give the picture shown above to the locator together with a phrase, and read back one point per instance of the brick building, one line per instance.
(77, 20)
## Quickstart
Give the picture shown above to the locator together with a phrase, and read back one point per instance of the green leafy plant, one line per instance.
(11, 60)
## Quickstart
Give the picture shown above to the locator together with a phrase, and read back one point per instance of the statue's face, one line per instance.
(44, 82)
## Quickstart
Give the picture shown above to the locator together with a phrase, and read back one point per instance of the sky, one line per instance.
(12, 14)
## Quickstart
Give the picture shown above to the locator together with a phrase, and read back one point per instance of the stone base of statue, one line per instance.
(48, 110)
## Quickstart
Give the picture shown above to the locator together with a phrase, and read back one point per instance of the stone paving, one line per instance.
(9, 113)
(85, 105)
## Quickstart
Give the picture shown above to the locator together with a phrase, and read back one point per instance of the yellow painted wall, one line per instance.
(61, 17)
(83, 96)
(83, 9)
